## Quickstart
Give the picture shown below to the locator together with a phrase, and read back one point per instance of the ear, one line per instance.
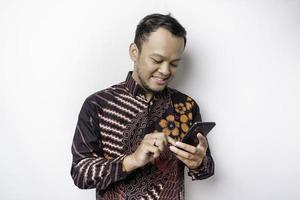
(133, 52)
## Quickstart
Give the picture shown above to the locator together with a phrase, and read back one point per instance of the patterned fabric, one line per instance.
(111, 125)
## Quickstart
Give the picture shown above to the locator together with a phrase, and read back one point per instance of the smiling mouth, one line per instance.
(160, 81)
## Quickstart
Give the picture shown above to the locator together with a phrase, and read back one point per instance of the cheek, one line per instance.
(145, 69)
(148, 68)
(173, 71)
(149, 65)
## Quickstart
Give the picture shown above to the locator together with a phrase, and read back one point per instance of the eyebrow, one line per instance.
(158, 55)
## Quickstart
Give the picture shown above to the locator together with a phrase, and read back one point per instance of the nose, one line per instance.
(164, 69)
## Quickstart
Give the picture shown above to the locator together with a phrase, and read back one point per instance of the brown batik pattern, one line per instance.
(149, 181)
(124, 117)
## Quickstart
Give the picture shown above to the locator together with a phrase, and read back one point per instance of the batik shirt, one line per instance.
(111, 125)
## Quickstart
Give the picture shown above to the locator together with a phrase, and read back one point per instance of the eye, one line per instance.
(174, 64)
(157, 61)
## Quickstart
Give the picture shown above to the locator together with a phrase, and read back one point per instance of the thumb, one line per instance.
(202, 140)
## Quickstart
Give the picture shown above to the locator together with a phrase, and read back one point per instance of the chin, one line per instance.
(153, 87)
(158, 89)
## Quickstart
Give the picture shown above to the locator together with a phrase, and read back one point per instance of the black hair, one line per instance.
(152, 22)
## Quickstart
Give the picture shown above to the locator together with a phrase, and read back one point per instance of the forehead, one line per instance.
(164, 43)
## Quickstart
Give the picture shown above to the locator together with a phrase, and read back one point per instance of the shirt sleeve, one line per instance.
(206, 169)
(90, 168)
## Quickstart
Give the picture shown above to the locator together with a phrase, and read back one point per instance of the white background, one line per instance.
(241, 64)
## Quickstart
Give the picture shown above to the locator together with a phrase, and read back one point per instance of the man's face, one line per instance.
(156, 64)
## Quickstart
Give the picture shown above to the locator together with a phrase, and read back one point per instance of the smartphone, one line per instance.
(203, 127)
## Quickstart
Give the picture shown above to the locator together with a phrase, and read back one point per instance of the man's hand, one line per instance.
(191, 156)
(150, 148)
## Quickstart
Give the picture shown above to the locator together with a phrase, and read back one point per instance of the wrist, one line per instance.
(128, 163)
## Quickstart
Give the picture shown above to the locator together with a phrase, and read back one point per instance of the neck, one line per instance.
(148, 94)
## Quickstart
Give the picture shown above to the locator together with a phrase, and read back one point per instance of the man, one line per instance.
(127, 140)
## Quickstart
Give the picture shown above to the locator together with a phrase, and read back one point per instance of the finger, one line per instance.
(184, 160)
(189, 163)
(182, 153)
(160, 144)
(171, 140)
(201, 151)
(159, 135)
(189, 148)
(150, 141)
(156, 142)
(152, 149)
(202, 140)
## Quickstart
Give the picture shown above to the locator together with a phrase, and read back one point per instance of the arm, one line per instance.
(206, 168)
(89, 167)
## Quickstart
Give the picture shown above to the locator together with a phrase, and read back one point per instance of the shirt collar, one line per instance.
(136, 89)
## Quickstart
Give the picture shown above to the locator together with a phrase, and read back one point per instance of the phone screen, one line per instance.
(198, 127)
